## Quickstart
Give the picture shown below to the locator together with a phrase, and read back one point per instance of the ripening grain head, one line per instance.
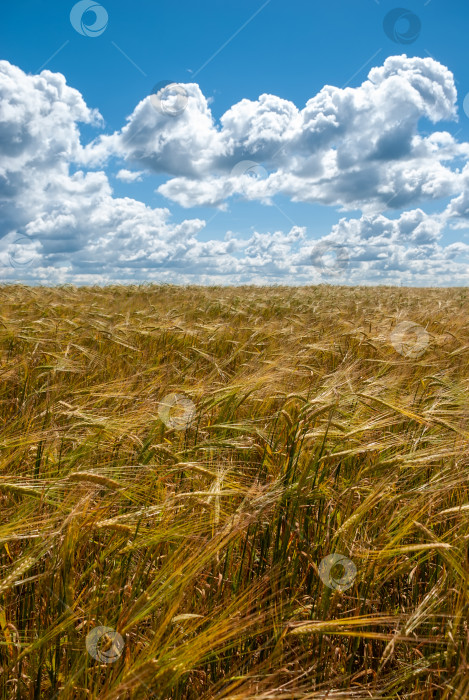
(298, 526)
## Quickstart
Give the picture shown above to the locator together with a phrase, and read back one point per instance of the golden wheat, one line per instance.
(302, 533)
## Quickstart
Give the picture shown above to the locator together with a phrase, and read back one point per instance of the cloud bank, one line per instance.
(357, 149)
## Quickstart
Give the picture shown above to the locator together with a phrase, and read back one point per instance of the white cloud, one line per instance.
(68, 223)
(129, 175)
(358, 148)
(353, 147)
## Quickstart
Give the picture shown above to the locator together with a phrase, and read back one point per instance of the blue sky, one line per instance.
(202, 226)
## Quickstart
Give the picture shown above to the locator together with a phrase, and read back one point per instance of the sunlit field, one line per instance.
(199, 529)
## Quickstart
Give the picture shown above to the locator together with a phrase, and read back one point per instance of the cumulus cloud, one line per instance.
(54, 213)
(129, 175)
(355, 148)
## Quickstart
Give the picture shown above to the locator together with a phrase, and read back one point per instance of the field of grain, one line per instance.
(196, 536)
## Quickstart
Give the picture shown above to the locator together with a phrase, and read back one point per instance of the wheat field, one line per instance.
(162, 547)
